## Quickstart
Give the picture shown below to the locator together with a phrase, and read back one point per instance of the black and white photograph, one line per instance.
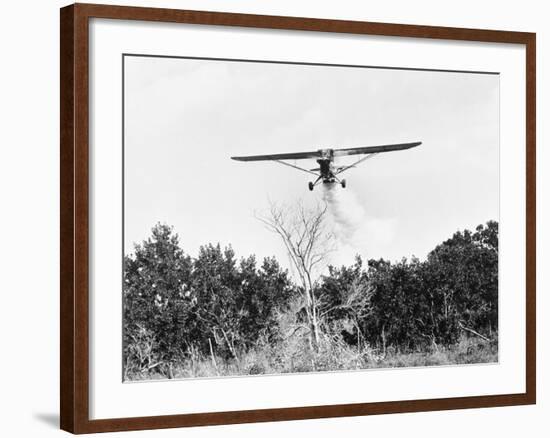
(297, 218)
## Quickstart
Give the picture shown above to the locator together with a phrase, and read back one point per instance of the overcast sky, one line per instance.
(184, 118)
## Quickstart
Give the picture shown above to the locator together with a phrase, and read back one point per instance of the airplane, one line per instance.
(327, 172)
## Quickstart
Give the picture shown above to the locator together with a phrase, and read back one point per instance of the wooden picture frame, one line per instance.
(75, 236)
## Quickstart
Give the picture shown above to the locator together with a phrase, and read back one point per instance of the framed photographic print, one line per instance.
(276, 218)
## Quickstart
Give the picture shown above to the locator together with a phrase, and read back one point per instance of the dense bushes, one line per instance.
(174, 305)
(178, 308)
(412, 304)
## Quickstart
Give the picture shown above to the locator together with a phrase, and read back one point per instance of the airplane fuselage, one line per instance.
(326, 169)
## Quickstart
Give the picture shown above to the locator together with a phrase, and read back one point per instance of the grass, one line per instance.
(295, 356)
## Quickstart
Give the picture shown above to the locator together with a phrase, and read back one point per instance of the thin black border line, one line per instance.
(317, 64)
(123, 133)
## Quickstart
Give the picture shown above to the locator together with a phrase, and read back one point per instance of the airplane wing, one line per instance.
(277, 157)
(375, 149)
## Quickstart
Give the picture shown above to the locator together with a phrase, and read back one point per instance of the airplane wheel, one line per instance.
(343, 183)
(310, 185)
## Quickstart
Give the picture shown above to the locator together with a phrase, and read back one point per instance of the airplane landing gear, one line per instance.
(343, 182)
(310, 185)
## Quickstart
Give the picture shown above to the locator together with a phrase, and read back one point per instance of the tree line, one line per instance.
(219, 305)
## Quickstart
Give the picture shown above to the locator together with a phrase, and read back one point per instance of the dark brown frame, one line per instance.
(74, 217)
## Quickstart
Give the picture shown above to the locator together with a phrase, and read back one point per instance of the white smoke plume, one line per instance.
(356, 232)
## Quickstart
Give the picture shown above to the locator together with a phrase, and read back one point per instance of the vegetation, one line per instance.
(216, 315)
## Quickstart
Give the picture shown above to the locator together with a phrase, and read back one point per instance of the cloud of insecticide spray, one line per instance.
(355, 230)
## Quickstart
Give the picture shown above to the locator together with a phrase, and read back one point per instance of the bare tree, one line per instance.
(355, 304)
(308, 242)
